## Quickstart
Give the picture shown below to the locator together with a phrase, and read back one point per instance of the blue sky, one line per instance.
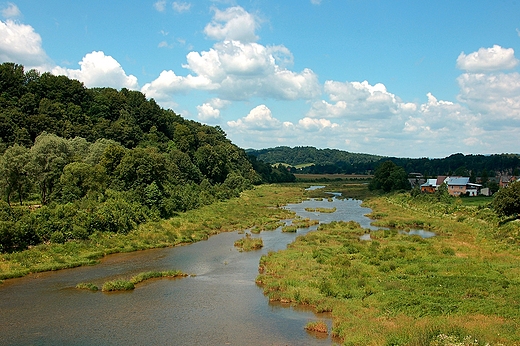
(396, 78)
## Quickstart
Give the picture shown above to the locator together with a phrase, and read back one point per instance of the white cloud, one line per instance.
(259, 118)
(160, 5)
(164, 44)
(234, 23)
(181, 7)
(356, 100)
(209, 112)
(11, 11)
(100, 70)
(488, 59)
(19, 43)
(310, 124)
(316, 2)
(238, 71)
(169, 83)
(497, 96)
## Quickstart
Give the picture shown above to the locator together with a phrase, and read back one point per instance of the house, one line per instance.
(505, 180)
(461, 186)
(431, 185)
(457, 186)
(416, 179)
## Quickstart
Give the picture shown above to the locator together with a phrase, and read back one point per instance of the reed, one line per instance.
(248, 243)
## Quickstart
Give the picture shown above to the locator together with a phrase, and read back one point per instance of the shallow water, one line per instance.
(220, 305)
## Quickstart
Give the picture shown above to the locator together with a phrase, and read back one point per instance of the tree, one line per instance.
(49, 155)
(13, 171)
(506, 201)
(79, 179)
(389, 177)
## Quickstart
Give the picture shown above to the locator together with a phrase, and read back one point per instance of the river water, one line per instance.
(219, 305)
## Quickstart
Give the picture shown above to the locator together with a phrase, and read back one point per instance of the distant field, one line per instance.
(305, 177)
(477, 201)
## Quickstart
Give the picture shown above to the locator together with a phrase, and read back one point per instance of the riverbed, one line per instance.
(220, 304)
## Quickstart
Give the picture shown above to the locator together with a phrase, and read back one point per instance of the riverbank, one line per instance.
(461, 287)
(256, 207)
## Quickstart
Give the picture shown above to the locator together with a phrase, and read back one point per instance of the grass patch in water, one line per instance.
(87, 286)
(156, 274)
(127, 285)
(321, 210)
(317, 326)
(117, 285)
(290, 228)
(249, 244)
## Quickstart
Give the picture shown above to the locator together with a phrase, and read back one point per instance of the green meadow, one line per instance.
(461, 287)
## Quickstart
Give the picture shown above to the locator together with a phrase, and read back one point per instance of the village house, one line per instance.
(505, 180)
(457, 186)
(431, 185)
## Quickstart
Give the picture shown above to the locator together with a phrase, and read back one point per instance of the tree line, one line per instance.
(103, 160)
(333, 161)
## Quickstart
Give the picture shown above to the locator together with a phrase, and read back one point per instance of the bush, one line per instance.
(506, 201)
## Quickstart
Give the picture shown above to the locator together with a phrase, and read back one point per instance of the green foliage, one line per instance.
(104, 160)
(506, 201)
(87, 286)
(389, 177)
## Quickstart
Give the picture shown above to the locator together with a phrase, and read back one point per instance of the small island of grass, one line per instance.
(249, 244)
(127, 285)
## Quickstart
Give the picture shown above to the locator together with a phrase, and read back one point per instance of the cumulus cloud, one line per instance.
(11, 11)
(310, 124)
(21, 44)
(209, 112)
(259, 118)
(497, 96)
(181, 7)
(488, 59)
(160, 5)
(100, 70)
(238, 71)
(234, 23)
(356, 100)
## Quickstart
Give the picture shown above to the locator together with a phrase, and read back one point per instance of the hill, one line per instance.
(93, 160)
(318, 161)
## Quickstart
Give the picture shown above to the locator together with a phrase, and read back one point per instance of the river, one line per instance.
(219, 305)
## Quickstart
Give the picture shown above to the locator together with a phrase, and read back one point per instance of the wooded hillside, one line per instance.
(104, 160)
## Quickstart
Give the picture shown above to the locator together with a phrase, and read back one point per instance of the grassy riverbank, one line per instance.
(257, 207)
(461, 287)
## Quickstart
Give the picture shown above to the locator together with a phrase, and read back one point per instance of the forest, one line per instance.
(331, 161)
(75, 161)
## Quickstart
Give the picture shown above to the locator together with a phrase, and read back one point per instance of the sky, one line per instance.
(401, 78)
